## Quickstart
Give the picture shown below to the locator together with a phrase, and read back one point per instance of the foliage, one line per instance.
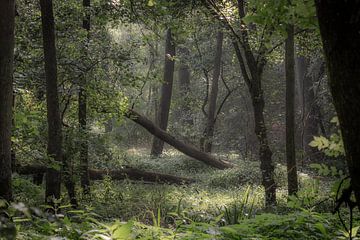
(291, 226)
(121, 62)
(332, 146)
(32, 223)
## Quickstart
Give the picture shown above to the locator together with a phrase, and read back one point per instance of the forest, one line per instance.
(169, 119)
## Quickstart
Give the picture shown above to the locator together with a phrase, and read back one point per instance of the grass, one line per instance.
(222, 204)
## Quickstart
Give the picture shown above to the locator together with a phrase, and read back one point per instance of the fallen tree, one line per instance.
(187, 149)
(120, 174)
(136, 174)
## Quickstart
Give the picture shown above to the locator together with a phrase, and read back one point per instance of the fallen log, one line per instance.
(187, 149)
(121, 174)
(136, 174)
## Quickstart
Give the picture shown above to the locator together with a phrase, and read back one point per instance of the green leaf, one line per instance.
(321, 228)
(151, 3)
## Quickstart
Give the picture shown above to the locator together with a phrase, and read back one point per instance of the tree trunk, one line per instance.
(339, 27)
(54, 148)
(53, 178)
(266, 166)
(252, 67)
(186, 117)
(290, 111)
(309, 108)
(253, 80)
(166, 92)
(210, 123)
(84, 163)
(7, 25)
(126, 173)
(182, 147)
(138, 175)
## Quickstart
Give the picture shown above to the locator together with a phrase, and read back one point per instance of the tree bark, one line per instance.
(290, 111)
(339, 23)
(7, 42)
(82, 115)
(126, 173)
(210, 123)
(252, 70)
(166, 92)
(186, 117)
(53, 178)
(54, 148)
(182, 147)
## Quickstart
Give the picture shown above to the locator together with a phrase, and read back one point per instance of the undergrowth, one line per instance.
(224, 204)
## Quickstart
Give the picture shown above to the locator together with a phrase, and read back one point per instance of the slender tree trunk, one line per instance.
(339, 23)
(253, 79)
(166, 92)
(7, 25)
(266, 166)
(186, 117)
(53, 177)
(290, 111)
(252, 70)
(210, 123)
(311, 116)
(84, 162)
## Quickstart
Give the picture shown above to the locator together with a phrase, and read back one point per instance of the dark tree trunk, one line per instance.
(182, 147)
(166, 92)
(266, 165)
(126, 173)
(7, 25)
(290, 111)
(54, 148)
(53, 178)
(252, 69)
(138, 175)
(84, 163)
(210, 123)
(340, 27)
(13, 153)
(186, 117)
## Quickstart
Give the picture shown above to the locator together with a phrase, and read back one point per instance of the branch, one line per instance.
(229, 92)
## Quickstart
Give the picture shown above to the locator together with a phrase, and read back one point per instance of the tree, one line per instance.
(339, 23)
(252, 63)
(166, 92)
(7, 25)
(211, 114)
(290, 111)
(184, 85)
(53, 177)
(82, 99)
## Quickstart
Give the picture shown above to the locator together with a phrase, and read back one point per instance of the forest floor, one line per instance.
(221, 204)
